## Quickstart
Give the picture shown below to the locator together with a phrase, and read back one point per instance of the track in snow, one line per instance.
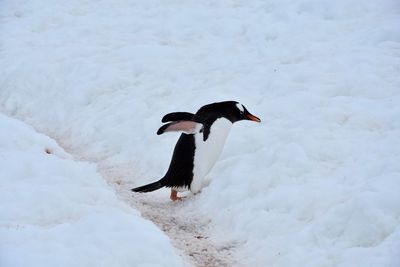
(187, 231)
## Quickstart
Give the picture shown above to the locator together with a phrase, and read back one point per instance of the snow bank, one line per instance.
(314, 185)
(59, 212)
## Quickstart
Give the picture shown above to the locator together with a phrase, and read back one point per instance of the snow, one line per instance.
(315, 184)
(60, 212)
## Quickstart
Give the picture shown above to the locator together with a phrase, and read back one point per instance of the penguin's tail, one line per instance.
(149, 187)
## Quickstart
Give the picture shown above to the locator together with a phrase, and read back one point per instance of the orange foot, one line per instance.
(174, 196)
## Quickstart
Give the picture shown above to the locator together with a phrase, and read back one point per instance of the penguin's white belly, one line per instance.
(207, 152)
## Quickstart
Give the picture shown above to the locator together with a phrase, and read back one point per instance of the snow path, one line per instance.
(188, 231)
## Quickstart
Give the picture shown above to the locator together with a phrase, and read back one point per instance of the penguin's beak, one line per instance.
(251, 117)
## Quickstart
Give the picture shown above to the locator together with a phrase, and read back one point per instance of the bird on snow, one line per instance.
(199, 146)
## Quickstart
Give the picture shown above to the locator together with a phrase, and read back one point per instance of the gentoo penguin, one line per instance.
(199, 146)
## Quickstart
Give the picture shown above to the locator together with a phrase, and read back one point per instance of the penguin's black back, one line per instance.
(180, 171)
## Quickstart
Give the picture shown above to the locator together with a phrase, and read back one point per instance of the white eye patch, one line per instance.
(240, 107)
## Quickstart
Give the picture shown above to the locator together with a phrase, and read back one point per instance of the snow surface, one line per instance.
(59, 212)
(316, 184)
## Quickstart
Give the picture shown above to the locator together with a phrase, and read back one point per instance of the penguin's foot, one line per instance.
(174, 195)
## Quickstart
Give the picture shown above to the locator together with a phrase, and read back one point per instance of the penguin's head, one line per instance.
(239, 113)
(232, 110)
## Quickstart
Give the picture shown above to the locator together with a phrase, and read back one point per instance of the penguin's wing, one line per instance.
(186, 126)
(178, 116)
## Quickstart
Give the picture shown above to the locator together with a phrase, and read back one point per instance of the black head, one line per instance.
(230, 110)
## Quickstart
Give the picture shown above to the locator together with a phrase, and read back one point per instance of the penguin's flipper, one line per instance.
(186, 126)
(178, 116)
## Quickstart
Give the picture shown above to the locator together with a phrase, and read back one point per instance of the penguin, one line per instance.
(199, 146)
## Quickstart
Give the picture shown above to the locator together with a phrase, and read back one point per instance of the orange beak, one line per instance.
(252, 117)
